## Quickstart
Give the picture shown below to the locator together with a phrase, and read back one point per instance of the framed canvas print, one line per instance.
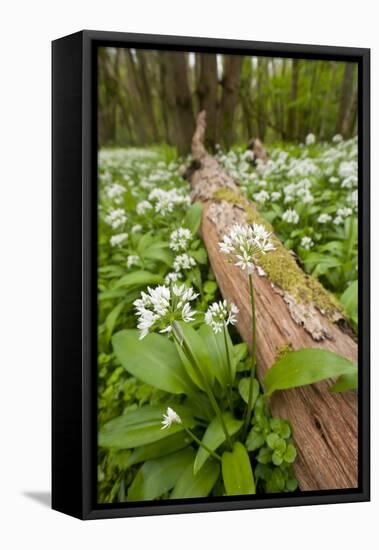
(210, 274)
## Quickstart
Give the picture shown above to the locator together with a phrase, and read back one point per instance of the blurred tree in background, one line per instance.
(147, 97)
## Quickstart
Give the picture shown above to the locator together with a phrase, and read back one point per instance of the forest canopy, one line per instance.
(152, 97)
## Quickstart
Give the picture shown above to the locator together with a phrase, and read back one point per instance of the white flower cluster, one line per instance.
(183, 262)
(116, 218)
(291, 216)
(261, 197)
(116, 240)
(115, 191)
(221, 314)
(132, 260)
(159, 307)
(180, 238)
(171, 417)
(245, 243)
(324, 218)
(165, 201)
(310, 139)
(142, 207)
(307, 243)
(301, 190)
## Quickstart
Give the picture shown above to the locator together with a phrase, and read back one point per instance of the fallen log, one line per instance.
(293, 311)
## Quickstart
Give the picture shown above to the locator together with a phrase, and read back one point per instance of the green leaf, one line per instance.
(191, 485)
(160, 252)
(306, 366)
(210, 287)
(159, 476)
(346, 382)
(349, 300)
(214, 436)
(194, 344)
(237, 473)
(290, 454)
(200, 256)
(254, 440)
(138, 279)
(111, 319)
(154, 360)
(141, 427)
(215, 344)
(244, 388)
(192, 218)
(240, 352)
(160, 448)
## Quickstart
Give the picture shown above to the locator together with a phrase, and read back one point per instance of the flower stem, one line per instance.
(253, 354)
(201, 444)
(229, 388)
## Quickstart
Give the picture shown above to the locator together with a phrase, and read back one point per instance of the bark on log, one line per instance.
(302, 315)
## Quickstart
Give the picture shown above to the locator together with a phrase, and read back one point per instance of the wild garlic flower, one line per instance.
(344, 212)
(171, 417)
(115, 192)
(132, 260)
(183, 262)
(337, 138)
(137, 228)
(307, 243)
(142, 207)
(261, 197)
(165, 201)
(291, 216)
(159, 307)
(324, 218)
(353, 199)
(220, 314)
(172, 277)
(116, 240)
(310, 139)
(180, 238)
(244, 243)
(116, 218)
(275, 196)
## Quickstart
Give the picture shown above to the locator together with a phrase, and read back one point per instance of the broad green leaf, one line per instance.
(158, 476)
(111, 319)
(160, 252)
(244, 388)
(254, 440)
(349, 300)
(194, 354)
(138, 279)
(154, 360)
(240, 352)
(214, 436)
(215, 344)
(163, 447)
(306, 366)
(200, 255)
(237, 473)
(192, 218)
(190, 485)
(140, 427)
(346, 382)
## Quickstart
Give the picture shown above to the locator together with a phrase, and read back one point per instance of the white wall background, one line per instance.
(27, 29)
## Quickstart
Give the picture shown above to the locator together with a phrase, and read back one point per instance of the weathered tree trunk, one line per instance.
(229, 99)
(293, 310)
(138, 112)
(206, 90)
(345, 101)
(178, 95)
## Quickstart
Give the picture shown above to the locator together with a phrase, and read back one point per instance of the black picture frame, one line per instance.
(74, 206)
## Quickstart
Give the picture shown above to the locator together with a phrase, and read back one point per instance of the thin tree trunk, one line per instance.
(206, 89)
(324, 423)
(179, 98)
(230, 92)
(261, 98)
(292, 111)
(146, 95)
(137, 110)
(345, 99)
